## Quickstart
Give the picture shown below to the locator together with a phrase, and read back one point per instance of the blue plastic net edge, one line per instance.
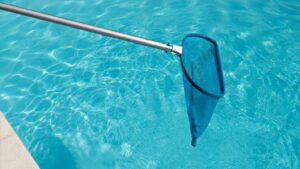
(218, 66)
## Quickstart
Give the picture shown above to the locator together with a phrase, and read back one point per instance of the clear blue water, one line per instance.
(82, 101)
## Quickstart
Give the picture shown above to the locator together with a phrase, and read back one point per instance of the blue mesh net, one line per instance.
(203, 81)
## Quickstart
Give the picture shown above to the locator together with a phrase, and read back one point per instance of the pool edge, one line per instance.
(13, 154)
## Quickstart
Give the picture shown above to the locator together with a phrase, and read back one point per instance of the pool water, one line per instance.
(83, 101)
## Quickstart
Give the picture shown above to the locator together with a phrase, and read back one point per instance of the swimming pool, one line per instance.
(80, 100)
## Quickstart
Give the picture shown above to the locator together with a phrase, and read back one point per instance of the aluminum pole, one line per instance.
(79, 25)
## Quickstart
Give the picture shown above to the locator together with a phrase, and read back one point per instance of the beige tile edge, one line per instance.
(13, 154)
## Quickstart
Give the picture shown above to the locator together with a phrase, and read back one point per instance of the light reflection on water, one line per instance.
(80, 100)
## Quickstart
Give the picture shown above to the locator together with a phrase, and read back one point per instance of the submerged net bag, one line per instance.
(202, 79)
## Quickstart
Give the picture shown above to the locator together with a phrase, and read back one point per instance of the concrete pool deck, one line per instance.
(13, 154)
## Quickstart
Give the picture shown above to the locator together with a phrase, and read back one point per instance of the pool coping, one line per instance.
(13, 153)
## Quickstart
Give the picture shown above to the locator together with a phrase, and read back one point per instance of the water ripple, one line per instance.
(98, 102)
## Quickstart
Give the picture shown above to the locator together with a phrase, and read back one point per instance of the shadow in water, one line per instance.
(53, 154)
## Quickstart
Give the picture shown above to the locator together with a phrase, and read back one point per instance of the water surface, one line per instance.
(82, 101)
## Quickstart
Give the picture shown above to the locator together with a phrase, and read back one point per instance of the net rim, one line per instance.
(218, 66)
